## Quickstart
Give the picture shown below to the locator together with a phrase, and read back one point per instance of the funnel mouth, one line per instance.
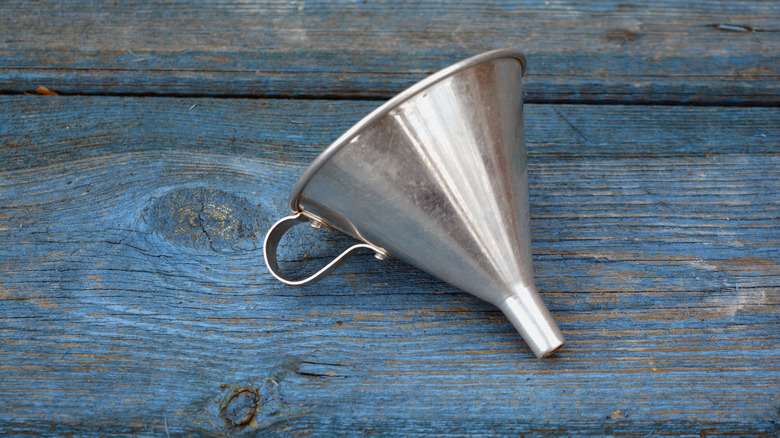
(388, 106)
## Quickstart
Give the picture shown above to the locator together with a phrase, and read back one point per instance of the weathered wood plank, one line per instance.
(672, 51)
(133, 299)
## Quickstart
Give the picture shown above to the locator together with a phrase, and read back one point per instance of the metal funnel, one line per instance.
(437, 177)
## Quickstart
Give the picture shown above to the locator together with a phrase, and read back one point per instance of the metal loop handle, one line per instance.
(275, 234)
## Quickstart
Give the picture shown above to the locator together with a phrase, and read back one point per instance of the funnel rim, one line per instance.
(386, 107)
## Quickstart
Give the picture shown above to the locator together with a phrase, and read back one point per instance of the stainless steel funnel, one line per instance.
(437, 177)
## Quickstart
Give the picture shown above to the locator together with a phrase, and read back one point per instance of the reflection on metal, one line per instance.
(437, 177)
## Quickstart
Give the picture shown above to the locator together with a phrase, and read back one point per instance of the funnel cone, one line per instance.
(437, 177)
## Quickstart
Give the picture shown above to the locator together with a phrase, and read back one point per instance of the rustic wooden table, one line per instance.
(133, 295)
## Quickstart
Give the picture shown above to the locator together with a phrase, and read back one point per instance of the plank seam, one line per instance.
(382, 97)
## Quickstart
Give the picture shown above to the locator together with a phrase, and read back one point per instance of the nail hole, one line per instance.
(733, 28)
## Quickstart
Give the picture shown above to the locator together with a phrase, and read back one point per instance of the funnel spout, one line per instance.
(528, 314)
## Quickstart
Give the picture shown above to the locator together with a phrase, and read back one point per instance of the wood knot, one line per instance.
(204, 218)
(239, 408)
(622, 36)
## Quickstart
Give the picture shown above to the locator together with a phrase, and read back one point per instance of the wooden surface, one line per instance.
(715, 52)
(133, 295)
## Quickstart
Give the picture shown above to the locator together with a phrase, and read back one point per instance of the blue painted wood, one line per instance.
(133, 299)
(579, 51)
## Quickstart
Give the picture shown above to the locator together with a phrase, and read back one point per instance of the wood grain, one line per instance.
(714, 52)
(133, 299)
